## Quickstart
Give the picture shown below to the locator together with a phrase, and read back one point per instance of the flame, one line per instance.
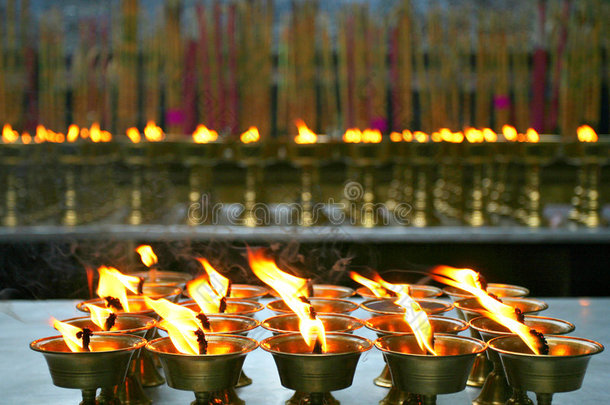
(69, 333)
(41, 134)
(489, 135)
(371, 136)
(420, 136)
(292, 290)
(84, 133)
(181, 324)
(99, 315)
(133, 134)
(204, 135)
(220, 283)
(114, 284)
(352, 135)
(250, 136)
(95, 133)
(375, 287)
(586, 134)
(8, 134)
(73, 133)
(305, 134)
(26, 138)
(407, 135)
(414, 316)
(510, 133)
(209, 290)
(448, 136)
(153, 133)
(532, 136)
(436, 136)
(469, 280)
(148, 257)
(395, 136)
(474, 135)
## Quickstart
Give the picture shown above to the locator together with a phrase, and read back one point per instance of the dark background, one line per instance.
(58, 269)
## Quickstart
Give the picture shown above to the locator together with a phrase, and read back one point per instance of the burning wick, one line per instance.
(205, 322)
(203, 344)
(141, 286)
(109, 323)
(543, 345)
(85, 336)
(115, 303)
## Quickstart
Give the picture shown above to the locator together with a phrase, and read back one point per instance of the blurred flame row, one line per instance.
(203, 134)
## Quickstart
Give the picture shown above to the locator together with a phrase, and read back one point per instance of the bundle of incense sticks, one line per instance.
(451, 69)
(3, 93)
(217, 66)
(327, 111)
(14, 74)
(401, 67)
(254, 32)
(519, 50)
(85, 90)
(152, 68)
(362, 57)
(560, 12)
(463, 45)
(422, 80)
(483, 94)
(501, 90)
(51, 71)
(173, 67)
(580, 93)
(297, 87)
(437, 70)
(127, 53)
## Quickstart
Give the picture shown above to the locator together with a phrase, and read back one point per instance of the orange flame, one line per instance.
(69, 333)
(250, 136)
(181, 324)
(436, 136)
(41, 134)
(414, 316)
(532, 136)
(114, 284)
(371, 136)
(352, 135)
(375, 287)
(474, 135)
(84, 133)
(407, 135)
(510, 133)
(204, 135)
(133, 134)
(209, 290)
(153, 133)
(420, 136)
(26, 138)
(8, 134)
(292, 289)
(219, 282)
(95, 133)
(489, 135)
(586, 134)
(448, 136)
(395, 136)
(99, 315)
(148, 257)
(305, 134)
(73, 133)
(469, 280)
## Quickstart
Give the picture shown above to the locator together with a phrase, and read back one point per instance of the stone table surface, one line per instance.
(24, 377)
